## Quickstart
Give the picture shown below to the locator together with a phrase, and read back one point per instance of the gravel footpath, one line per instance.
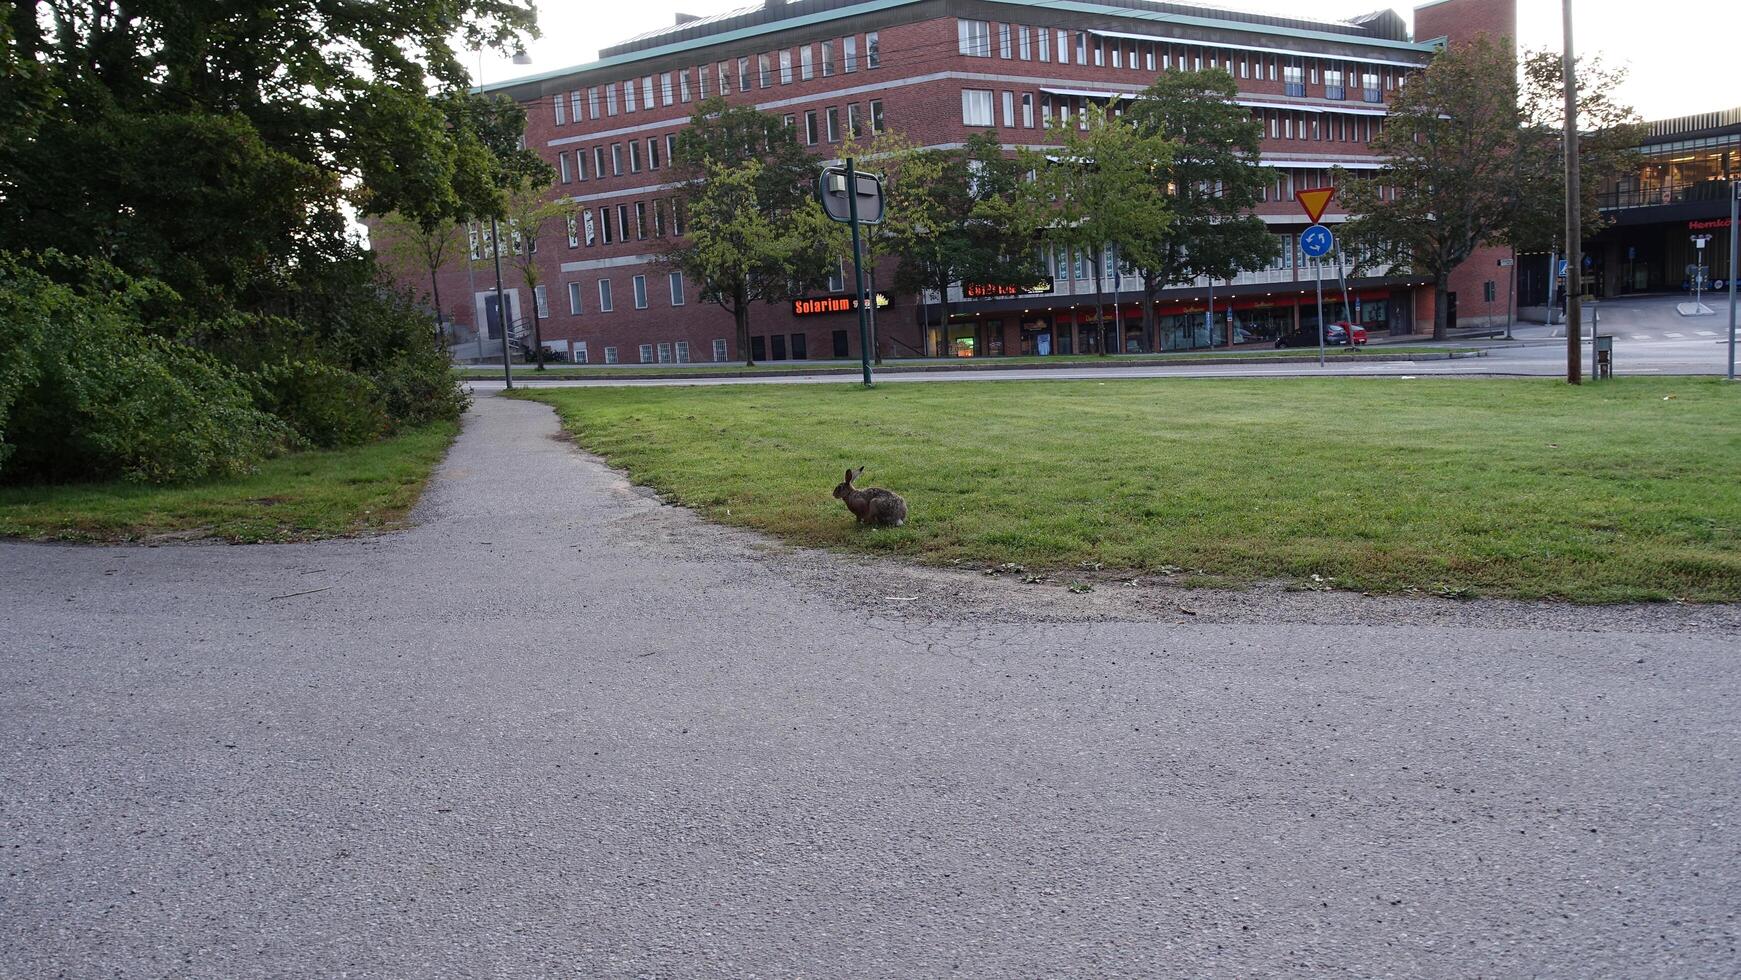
(561, 729)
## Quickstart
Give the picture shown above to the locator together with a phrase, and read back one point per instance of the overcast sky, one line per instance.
(1677, 66)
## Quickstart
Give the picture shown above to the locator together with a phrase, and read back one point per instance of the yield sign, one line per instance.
(1314, 200)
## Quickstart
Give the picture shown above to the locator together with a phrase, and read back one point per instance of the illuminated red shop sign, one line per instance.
(823, 305)
(986, 290)
(1711, 225)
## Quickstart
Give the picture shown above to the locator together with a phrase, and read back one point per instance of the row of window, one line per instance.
(670, 352)
(606, 302)
(673, 87)
(979, 110)
(616, 159)
(983, 39)
(830, 129)
(637, 221)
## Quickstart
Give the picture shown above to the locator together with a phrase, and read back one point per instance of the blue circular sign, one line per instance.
(1317, 241)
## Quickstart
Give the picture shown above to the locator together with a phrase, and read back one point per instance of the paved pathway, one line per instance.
(561, 730)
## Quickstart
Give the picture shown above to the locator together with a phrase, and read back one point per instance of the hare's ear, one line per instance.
(859, 473)
(849, 474)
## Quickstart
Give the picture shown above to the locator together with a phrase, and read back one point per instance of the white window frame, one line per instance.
(541, 300)
(978, 108)
(675, 281)
(604, 297)
(646, 352)
(640, 287)
(720, 350)
(574, 308)
(611, 355)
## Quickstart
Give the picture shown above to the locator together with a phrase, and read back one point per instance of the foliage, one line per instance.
(1609, 134)
(1213, 182)
(752, 231)
(326, 405)
(1104, 180)
(959, 216)
(530, 213)
(1451, 145)
(1449, 483)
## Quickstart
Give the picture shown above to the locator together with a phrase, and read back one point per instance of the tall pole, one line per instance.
(1574, 215)
(1347, 307)
(1209, 316)
(1318, 268)
(864, 338)
(501, 301)
(1510, 289)
(1734, 239)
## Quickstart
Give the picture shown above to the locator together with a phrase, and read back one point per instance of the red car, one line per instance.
(1356, 332)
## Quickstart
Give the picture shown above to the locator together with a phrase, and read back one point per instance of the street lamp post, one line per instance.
(1734, 239)
(520, 58)
(1574, 215)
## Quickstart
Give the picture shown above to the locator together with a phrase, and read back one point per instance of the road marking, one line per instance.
(1640, 336)
(1706, 333)
(1677, 336)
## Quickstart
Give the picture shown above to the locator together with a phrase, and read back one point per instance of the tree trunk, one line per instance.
(1100, 299)
(1151, 322)
(943, 308)
(740, 312)
(537, 333)
(1117, 310)
(435, 293)
(1441, 296)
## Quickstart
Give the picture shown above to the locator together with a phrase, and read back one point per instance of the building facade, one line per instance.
(939, 71)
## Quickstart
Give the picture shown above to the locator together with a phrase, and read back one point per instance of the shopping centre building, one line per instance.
(938, 71)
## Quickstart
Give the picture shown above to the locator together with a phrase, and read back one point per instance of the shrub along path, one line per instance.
(296, 497)
(1608, 492)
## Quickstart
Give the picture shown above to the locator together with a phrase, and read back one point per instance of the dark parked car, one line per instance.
(1334, 334)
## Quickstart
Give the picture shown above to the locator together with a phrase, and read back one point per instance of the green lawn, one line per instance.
(1622, 490)
(905, 364)
(297, 497)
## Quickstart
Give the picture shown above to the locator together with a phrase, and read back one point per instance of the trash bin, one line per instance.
(1605, 355)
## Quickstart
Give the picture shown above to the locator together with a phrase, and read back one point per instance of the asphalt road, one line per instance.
(562, 730)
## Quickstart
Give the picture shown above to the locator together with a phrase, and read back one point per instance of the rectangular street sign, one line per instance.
(831, 191)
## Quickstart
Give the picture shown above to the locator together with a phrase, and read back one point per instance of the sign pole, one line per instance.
(858, 272)
(1318, 268)
(1347, 307)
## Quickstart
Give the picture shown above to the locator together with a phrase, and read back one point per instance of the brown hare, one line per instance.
(872, 505)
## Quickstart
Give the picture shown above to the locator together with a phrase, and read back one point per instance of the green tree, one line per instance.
(1104, 179)
(531, 213)
(1451, 179)
(1213, 182)
(751, 228)
(410, 244)
(960, 216)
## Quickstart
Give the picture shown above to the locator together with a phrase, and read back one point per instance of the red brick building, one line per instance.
(938, 71)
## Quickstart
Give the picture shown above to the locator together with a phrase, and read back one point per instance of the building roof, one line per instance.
(1680, 127)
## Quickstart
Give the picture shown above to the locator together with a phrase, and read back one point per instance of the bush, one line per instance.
(328, 406)
(87, 394)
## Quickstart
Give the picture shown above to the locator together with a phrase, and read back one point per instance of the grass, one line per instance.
(980, 364)
(1622, 490)
(336, 493)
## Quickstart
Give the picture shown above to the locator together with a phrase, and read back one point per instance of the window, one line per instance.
(1045, 39)
(873, 54)
(1294, 80)
(827, 58)
(574, 298)
(616, 159)
(665, 353)
(764, 71)
(635, 157)
(1024, 45)
(744, 74)
(561, 108)
(725, 78)
(1082, 47)
(588, 227)
(1009, 109)
(700, 82)
(647, 93)
(671, 146)
(683, 352)
(1003, 41)
(604, 296)
(786, 67)
(610, 355)
(833, 124)
(574, 105)
(972, 38)
(854, 125)
(641, 221)
(579, 164)
(541, 299)
(976, 107)
(1369, 84)
(676, 283)
(667, 92)
(876, 113)
(646, 353)
(573, 229)
(1333, 84)
(1063, 47)
(652, 153)
(640, 292)
(1028, 110)
(683, 84)
(659, 219)
(807, 62)
(611, 99)
(604, 223)
(580, 352)
(598, 161)
(810, 128)
(622, 222)
(849, 54)
(592, 102)
(789, 121)
(719, 351)
(629, 98)
(562, 166)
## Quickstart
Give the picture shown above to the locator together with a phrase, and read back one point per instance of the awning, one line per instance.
(1193, 42)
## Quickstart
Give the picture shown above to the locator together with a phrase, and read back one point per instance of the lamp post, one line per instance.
(1734, 239)
(1574, 215)
(520, 58)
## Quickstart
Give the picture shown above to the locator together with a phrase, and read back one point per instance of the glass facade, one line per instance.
(1677, 173)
